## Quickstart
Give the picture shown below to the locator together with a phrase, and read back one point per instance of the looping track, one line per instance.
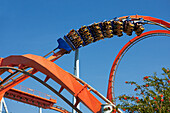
(110, 93)
(156, 21)
(77, 87)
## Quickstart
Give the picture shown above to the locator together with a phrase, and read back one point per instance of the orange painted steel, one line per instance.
(56, 73)
(23, 77)
(110, 90)
(32, 99)
(45, 84)
(28, 98)
(59, 109)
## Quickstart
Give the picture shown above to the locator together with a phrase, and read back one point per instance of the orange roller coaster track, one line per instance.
(156, 21)
(65, 79)
(110, 91)
(75, 86)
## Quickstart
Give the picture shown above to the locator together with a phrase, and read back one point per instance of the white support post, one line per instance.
(40, 109)
(76, 73)
(3, 104)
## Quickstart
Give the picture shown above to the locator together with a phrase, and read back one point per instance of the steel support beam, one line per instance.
(40, 109)
(3, 104)
(76, 73)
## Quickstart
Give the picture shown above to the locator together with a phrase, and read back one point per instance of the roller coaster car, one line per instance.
(75, 38)
(95, 24)
(83, 29)
(117, 28)
(96, 31)
(109, 32)
(107, 29)
(86, 35)
(106, 24)
(138, 28)
(128, 27)
(72, 35)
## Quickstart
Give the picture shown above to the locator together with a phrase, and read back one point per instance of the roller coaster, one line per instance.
(21, 67)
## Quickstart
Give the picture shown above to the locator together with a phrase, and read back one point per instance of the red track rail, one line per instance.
(110, 91)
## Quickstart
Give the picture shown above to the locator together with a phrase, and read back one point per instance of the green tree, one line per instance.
(151, 97)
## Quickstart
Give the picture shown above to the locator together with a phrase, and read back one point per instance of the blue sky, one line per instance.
(33, 27)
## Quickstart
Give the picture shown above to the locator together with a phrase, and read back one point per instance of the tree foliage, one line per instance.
(151, 97)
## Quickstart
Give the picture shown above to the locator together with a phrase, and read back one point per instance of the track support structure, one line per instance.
(76, 73)
(40, 109)
(3, 104)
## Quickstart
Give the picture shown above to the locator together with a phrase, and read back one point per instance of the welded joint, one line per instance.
(54, 54)
(21, 66)
(47, 78)
(89, 89)
(76, 94)
(33, 71)
(77, 102)
(10, 71)
(61, 89)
